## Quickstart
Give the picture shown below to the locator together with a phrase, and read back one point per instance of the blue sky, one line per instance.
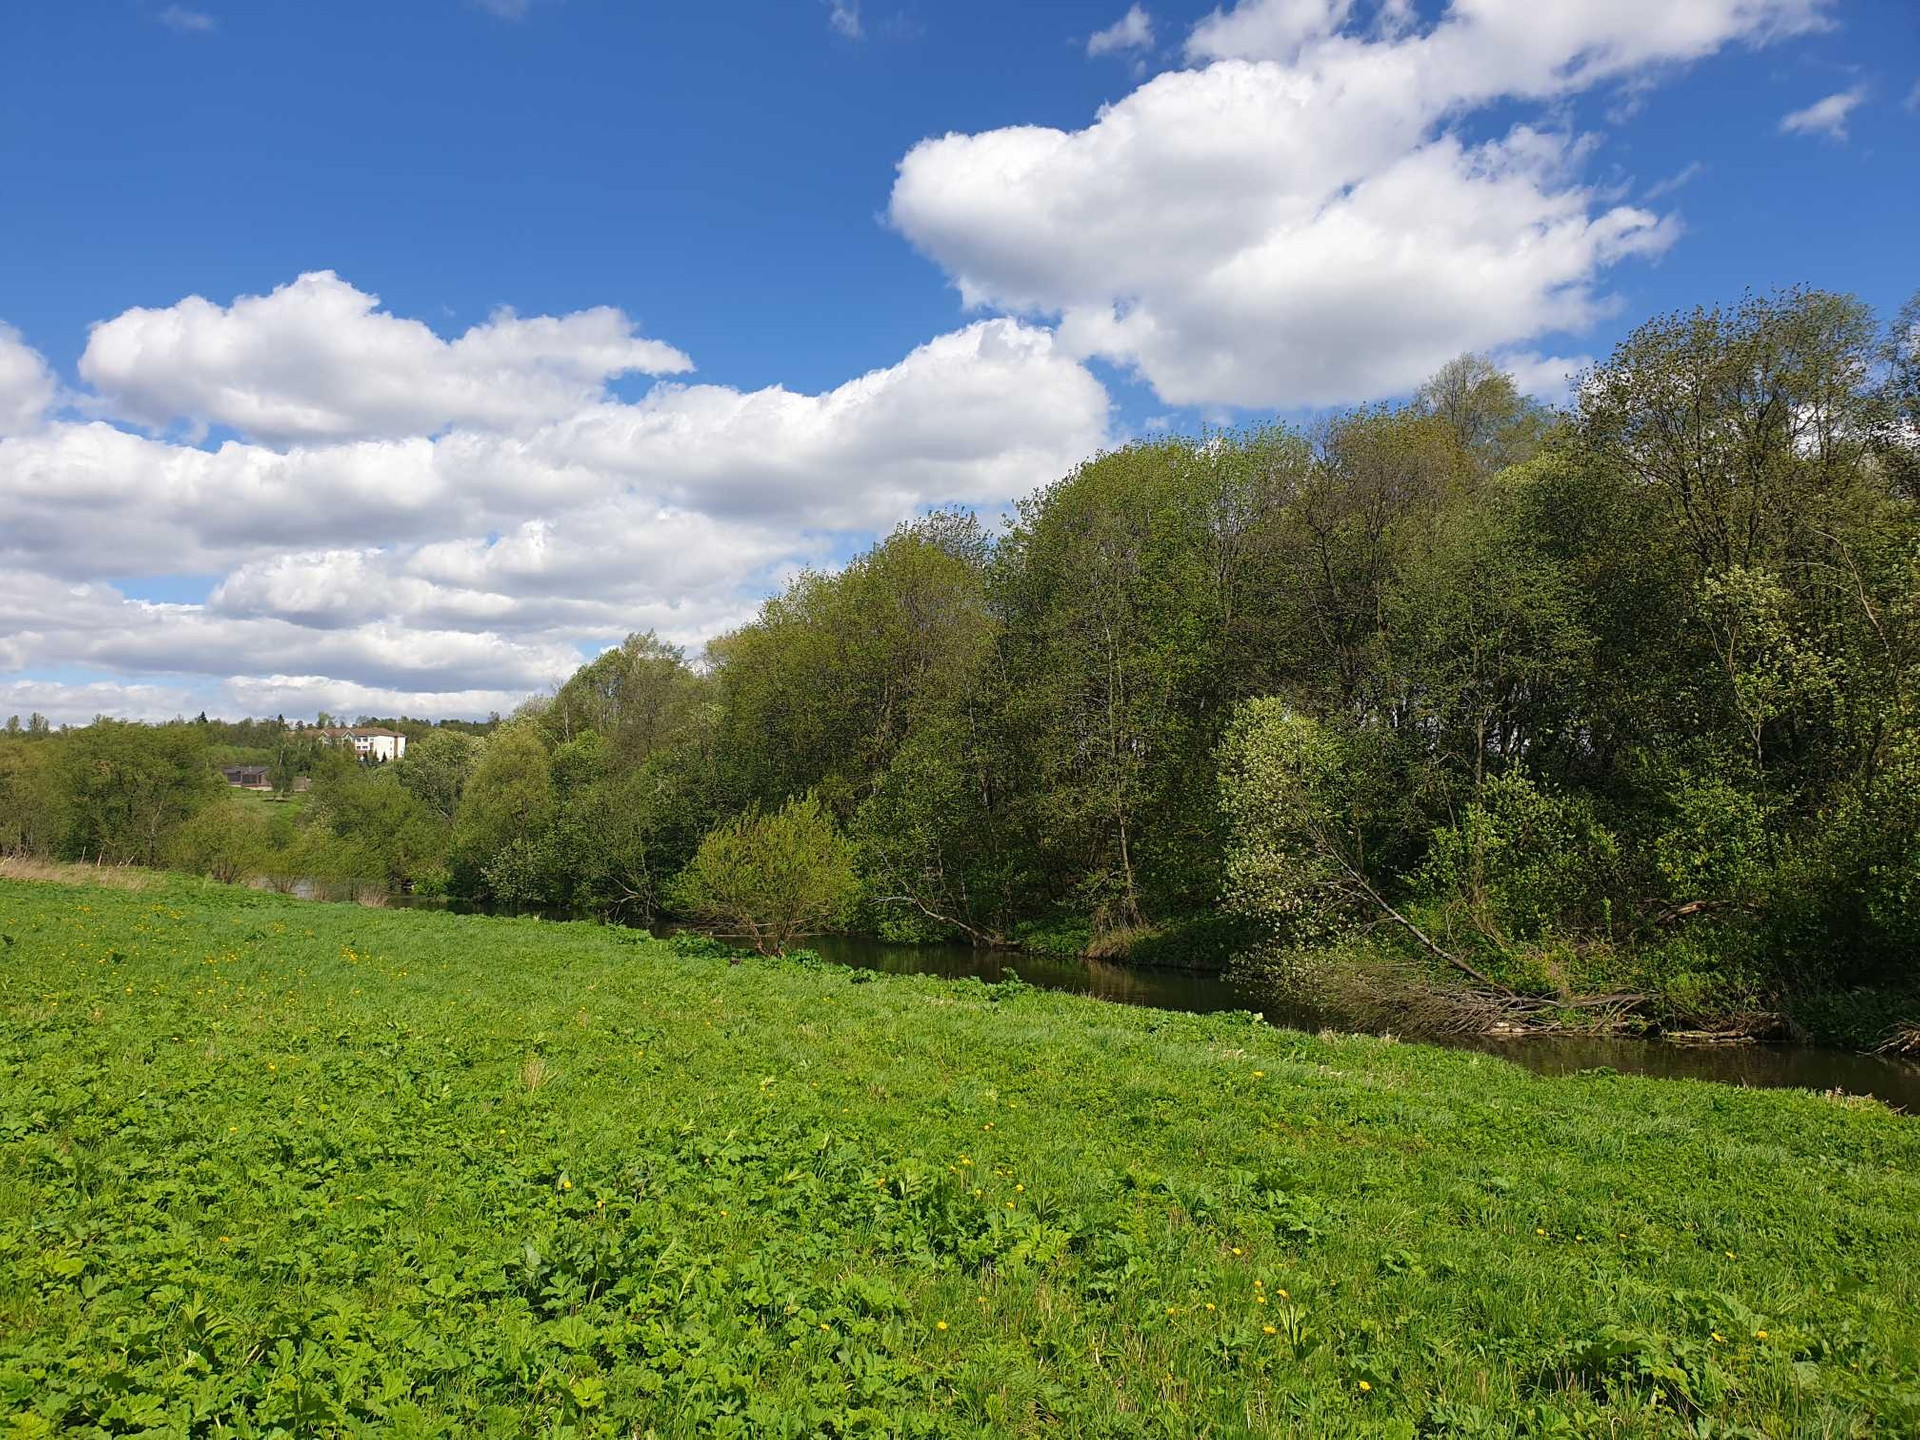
(729, 179)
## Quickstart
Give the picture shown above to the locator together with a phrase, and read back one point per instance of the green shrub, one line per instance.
(769, 880)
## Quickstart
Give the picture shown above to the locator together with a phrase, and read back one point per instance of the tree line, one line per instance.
(1613, 699)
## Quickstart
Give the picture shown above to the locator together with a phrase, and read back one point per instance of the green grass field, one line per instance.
(278, 1168)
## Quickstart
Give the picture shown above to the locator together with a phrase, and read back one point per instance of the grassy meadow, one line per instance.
(273, 1168)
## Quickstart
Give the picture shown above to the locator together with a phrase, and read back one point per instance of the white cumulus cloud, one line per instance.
(442, 543)
(26, 385)
(1298, 220)
(319, 360)
(1132, 31)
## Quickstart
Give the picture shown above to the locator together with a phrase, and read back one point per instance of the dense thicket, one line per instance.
(1616, 698)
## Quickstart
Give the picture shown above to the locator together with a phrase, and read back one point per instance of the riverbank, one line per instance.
(377, 1169)
(1893, 1078)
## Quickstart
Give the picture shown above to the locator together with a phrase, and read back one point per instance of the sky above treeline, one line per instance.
(379, 358)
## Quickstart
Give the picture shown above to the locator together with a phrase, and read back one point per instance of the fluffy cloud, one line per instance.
(1132, 31)
(970, 416)
(70, 703)
(1297, 222)
(1826, 117)
(26, 386)
(455, 570)
(319, 360)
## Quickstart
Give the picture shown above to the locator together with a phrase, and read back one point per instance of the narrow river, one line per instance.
(1806, 1067)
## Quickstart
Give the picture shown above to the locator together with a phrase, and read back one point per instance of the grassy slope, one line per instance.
(339, 1170)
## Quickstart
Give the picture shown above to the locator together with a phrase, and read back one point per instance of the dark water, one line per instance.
(1804, 1067)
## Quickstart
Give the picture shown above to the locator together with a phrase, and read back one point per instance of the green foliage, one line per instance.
(127, 786)
(771, 879)
(31, 798)
(435, 769)
(1524, 867)
(508, 798)
(273, 1167)
(229, 840)
(1714, 844)
(382, 832)
(1291, 809)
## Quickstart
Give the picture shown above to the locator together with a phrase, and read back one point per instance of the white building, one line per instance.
(370, 742)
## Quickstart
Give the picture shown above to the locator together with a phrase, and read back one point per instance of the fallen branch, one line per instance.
(1905, 1040)
(1674, 913)
(1418, 934)
(982, 939)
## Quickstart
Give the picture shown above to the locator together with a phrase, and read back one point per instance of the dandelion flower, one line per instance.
(1268, 1329)
(1759, 1334)
(1365, 1386)
(1209, 1305)
(939, 1324)
(1238, 1251)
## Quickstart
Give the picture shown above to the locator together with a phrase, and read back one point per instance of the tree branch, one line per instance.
(981, 938)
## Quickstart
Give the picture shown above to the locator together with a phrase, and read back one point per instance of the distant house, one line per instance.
(246, 777)
(370, 742)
